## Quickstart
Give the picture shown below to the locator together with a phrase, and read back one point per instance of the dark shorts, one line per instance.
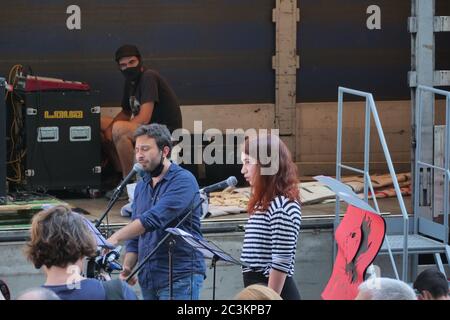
(289, 292)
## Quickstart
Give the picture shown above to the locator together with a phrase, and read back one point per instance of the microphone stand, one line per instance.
(91, 262)
(171, 244)
(111, 203)
(136, 169)
(90, 269)
(214, 260)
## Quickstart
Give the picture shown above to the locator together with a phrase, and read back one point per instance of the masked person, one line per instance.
(165, 195)
(147, 98)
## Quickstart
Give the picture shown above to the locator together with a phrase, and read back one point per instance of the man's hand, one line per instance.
(145, 113)
(124, 275)
(113, 240)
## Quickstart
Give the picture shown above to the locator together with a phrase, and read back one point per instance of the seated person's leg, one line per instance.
(123, 132)
(105, 122)
(109, 154)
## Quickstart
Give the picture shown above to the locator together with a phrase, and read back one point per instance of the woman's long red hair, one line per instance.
(282, 183)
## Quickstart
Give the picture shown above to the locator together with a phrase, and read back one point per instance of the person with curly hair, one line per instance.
(60, 240)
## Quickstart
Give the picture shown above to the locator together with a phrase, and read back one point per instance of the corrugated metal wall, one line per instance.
(336, 48)
(443, 38)
(217, 51)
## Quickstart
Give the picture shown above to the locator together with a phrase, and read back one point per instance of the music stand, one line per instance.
(208, 249)
(101, 243)
(99, 238)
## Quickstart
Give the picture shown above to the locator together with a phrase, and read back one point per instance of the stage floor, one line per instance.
(19, 214)
(96, 207)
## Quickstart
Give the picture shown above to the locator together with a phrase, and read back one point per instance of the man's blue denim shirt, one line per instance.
(158, 208)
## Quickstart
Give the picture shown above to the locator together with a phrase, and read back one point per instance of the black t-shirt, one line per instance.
(151, 87)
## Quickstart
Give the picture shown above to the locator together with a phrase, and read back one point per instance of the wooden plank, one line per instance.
(317, 132)
(222, 117)
(285, 62)
(315, 129)
(32, 205)
(329, 168)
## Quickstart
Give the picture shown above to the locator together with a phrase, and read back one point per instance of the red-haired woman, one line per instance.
(273, 226)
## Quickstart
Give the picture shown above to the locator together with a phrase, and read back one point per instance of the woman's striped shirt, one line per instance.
(271, 238)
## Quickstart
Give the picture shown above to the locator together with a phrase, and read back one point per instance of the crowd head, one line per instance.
(59, 237)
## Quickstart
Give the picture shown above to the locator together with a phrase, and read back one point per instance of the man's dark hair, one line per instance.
(127, 50)
(433, 281)
(157, 131)
(59, 237)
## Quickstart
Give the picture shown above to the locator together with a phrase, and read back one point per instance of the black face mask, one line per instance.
(157, 171)
(132, 73)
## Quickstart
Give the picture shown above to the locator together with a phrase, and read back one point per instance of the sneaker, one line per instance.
(122, 196)
(205, 206)
(126, 210)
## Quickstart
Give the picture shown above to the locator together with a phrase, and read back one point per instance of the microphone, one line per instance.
(230, 182)
(108, 262)
(137, 168)
(113, 254)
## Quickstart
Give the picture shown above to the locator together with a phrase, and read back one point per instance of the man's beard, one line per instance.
(155, 168)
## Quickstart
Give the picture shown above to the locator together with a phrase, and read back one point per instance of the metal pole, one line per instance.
(447, 167)
(338, 167)
(213, 263)
(367, 153)
(171, 245)
(396, 187)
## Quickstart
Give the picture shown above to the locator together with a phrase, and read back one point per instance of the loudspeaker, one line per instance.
(62, 140)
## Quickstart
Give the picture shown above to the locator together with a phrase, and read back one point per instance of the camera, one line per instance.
(102, 265)
(106, 260)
